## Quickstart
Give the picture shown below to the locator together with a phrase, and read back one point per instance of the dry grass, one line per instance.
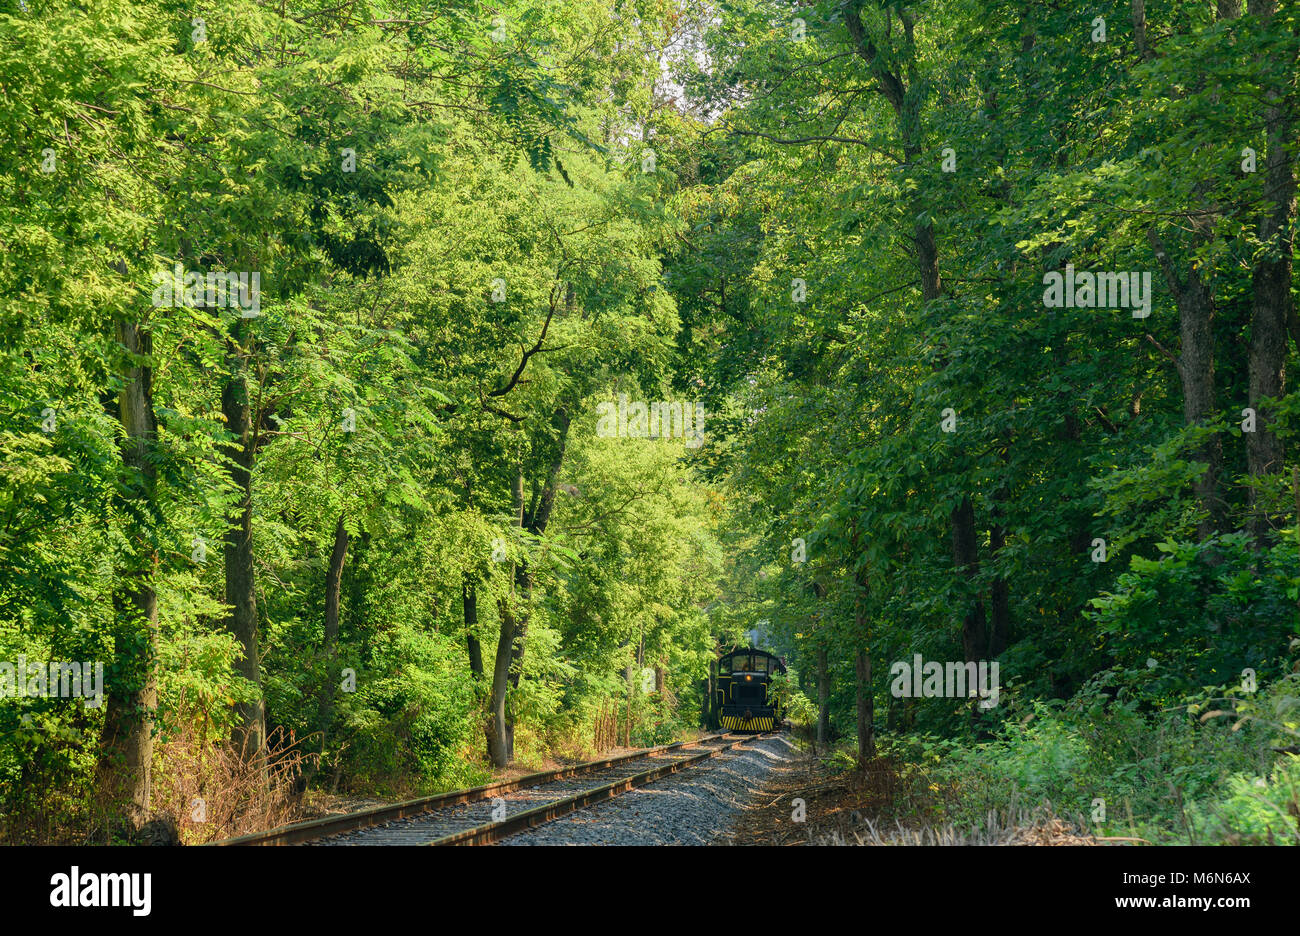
(884, 804)
(208, 791)
(1038, 826)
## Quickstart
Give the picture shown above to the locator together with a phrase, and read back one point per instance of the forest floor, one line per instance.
(807, 802)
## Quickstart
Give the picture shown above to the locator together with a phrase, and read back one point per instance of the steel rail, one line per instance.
(308, 830)
(540, 815)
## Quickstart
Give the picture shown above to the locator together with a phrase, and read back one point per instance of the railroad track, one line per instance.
(486, 814)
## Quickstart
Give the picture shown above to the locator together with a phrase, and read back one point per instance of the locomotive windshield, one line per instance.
(742, 662)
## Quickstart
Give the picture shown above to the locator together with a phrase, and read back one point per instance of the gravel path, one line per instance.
(690, 808)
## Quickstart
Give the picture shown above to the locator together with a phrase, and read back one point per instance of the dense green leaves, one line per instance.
(829, 224)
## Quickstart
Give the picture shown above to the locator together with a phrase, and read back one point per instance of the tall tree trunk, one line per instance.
(888, 72)
(629, 674)
(126, 764)
(333, 588)
(1271, 308)
(497, 726)
(535, 521)
(866, 708)
(866, 701)
(469, 602)
(249, 734)
(1196, 373)
(501, 727)
(1139, 16)
(999, 599)
(524, 587)
(823, 697)
(518, 643)
(965, 556)
(1000, 591)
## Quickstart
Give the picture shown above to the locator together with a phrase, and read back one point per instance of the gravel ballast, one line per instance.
(690, 808)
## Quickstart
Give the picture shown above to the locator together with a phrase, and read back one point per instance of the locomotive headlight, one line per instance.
(748, 678)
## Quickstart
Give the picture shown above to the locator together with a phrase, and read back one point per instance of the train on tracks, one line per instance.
(745, 698)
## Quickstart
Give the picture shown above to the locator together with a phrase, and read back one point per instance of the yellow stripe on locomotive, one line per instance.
(737, 723)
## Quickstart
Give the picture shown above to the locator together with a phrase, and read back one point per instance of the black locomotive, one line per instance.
(742, 696)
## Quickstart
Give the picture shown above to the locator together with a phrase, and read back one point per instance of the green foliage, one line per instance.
(1166, 775)
(797, 706)
(1253, 809)
(906, 450)
(1199, 615)
(390, 386)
